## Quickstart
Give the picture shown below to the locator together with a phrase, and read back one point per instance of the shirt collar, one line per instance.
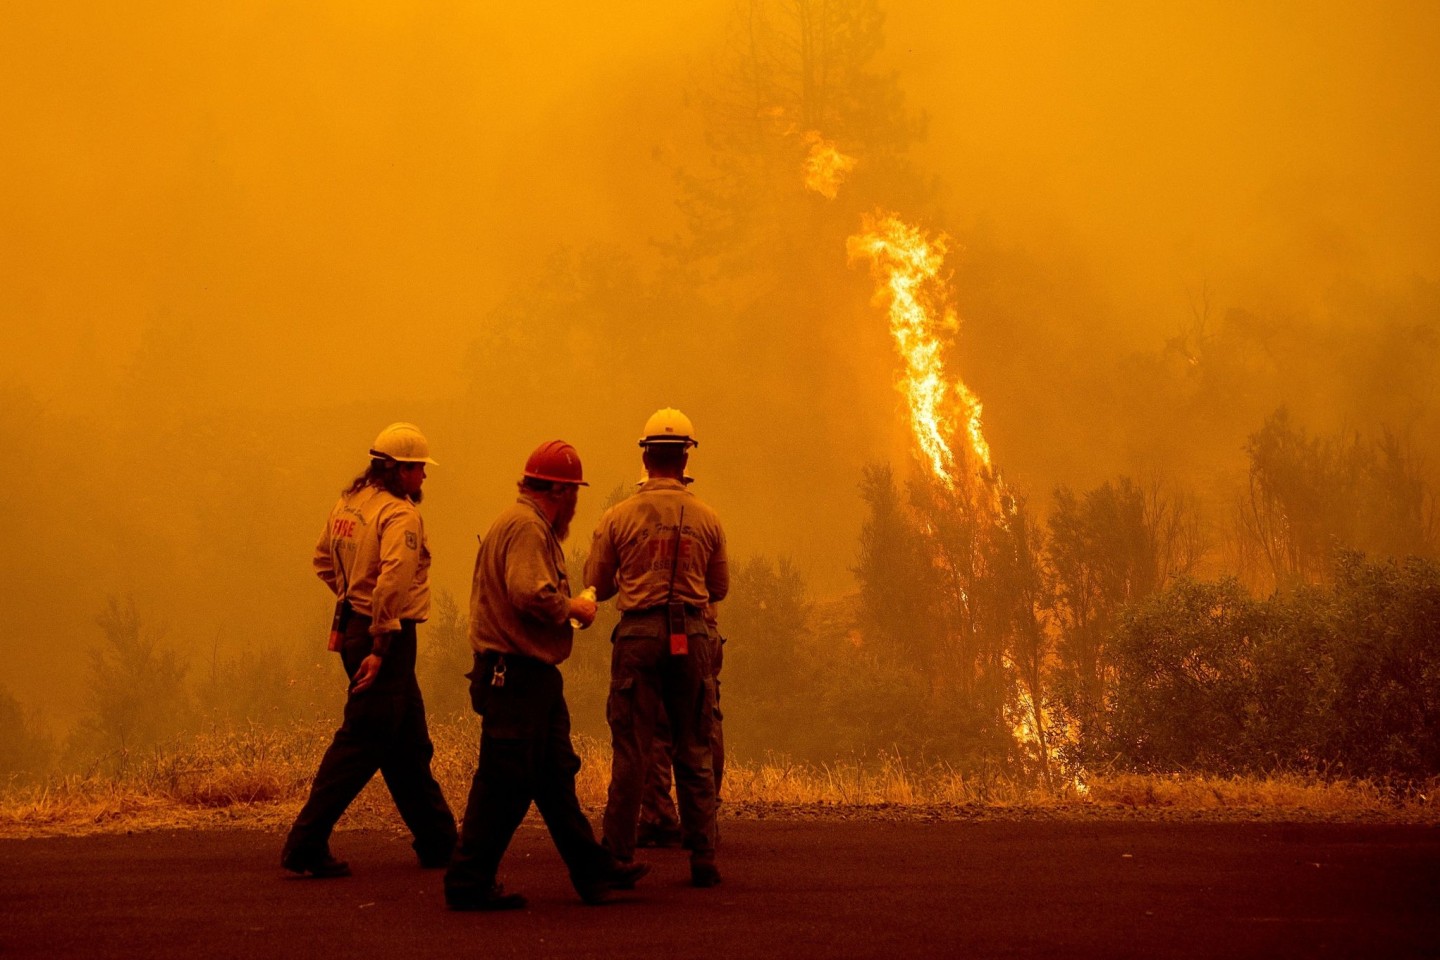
(663, 483)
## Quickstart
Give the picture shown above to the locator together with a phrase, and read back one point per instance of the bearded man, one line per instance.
(520, 628)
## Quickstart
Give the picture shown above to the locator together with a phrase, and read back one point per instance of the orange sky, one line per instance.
(302, 171)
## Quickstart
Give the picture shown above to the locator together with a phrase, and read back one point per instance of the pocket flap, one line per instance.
(651, 626)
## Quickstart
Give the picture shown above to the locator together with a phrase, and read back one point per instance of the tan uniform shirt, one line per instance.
(520, 599)
(633, 550)
(374, 553)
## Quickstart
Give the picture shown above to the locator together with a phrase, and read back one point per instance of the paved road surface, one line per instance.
(792, 890)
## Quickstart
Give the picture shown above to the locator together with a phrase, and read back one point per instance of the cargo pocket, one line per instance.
(645, 626)
(702, 651)
(709, 709)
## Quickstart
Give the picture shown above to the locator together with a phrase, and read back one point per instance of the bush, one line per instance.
(1384, 668)
(1184, 686)
(1342, 679)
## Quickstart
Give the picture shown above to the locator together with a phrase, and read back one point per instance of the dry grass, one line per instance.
(259, 778)
(1277, 792)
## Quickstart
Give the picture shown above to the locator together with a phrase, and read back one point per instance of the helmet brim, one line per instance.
(570, 480)
(377, 455)
(665, 440)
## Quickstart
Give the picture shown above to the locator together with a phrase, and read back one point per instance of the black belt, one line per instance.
(355, 615)
(490, 657)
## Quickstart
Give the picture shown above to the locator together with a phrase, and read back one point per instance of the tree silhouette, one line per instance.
(25, 749)
(137, 688)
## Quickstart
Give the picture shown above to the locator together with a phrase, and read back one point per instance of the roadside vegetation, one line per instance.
(1083, 665)
(249, 777)
(1253, 627)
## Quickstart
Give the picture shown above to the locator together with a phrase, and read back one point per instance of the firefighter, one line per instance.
(374, 556)
(659, 820)
(520, 628)
(661, 553)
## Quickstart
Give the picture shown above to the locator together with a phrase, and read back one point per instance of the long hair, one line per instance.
(384, 474)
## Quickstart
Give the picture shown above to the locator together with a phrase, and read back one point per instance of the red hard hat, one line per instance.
(557, 461)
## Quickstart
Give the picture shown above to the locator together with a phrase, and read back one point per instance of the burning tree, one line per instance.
(989, 644)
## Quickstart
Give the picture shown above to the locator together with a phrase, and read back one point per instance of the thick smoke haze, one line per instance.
(237, 241)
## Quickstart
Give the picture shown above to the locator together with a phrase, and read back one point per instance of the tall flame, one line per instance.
(907, 266)
(825, 166)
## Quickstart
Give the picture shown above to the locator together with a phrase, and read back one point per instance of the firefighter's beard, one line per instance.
(562, 522)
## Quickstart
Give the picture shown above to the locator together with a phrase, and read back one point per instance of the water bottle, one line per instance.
(589, 594)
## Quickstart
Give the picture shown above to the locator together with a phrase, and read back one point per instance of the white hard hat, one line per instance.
(669, 425)
(402, 442)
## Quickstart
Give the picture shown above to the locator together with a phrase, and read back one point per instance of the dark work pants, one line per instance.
(385, 730)
(525, 756)
(657, 807)
(646, 681)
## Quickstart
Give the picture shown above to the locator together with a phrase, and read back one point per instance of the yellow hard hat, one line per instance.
(402, 442)
(669, 425)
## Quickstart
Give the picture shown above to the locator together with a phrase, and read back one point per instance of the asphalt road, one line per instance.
(792, 890)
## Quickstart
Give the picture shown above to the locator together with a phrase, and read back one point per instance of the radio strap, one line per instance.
(679, 638)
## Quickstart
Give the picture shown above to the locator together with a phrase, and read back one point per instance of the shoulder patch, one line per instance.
(411, 541)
